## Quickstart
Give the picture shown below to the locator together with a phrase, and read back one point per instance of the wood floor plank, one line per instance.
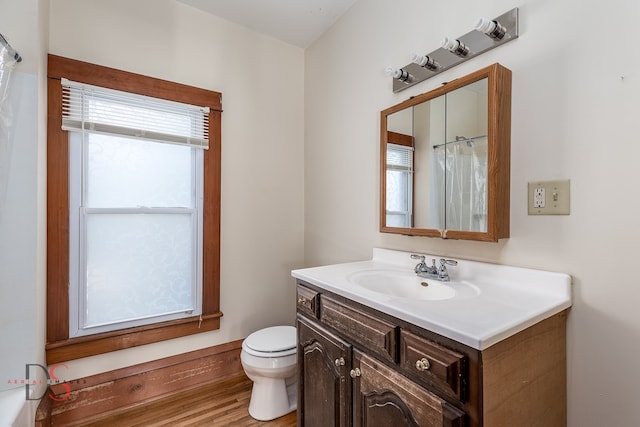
(217, 405)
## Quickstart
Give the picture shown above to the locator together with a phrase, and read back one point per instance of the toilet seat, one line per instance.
(276, 341)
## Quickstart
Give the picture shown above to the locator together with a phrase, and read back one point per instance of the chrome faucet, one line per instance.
(422, 268)
(433, 272)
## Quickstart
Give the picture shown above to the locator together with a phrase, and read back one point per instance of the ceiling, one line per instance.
(297, 22)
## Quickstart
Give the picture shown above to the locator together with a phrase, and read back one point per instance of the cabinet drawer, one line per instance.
(434, 365)
(374, 334)
(384, 397)
(307, 300)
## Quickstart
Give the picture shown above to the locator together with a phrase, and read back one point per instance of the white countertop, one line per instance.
(509, 299)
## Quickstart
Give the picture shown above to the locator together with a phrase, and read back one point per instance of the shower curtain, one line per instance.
(461, 169)
(7, 63)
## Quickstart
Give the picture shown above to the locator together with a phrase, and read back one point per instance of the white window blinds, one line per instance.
(399, 158)
(101, 110)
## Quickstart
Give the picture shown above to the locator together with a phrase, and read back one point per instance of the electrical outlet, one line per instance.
(549, 197)
(539, 197)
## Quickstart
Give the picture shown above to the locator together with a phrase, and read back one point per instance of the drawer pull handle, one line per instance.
(355, 373)
(423, 364)
(339, 362)
(302, 300)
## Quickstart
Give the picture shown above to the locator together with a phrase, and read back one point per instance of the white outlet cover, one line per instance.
(539, 197)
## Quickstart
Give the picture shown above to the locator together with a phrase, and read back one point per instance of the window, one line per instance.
(399, 185)
(133, 223)
(135, 208)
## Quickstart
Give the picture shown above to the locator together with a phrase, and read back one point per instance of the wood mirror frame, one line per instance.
(498, 159)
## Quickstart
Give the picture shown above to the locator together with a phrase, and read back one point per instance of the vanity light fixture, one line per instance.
(399, 74)
(486, 35)
(425, 61)
(454, 46)
(493, 29)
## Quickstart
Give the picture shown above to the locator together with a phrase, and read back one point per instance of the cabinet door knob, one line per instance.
(423, 364)
(339, 362)
(355, 373)
(301, 300)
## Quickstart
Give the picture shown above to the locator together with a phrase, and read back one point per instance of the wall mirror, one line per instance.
(445, 160)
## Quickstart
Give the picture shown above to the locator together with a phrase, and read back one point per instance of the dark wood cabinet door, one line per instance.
(383, 397)
(324, 388)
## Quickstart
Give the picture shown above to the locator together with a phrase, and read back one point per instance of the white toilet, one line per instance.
(269, 359)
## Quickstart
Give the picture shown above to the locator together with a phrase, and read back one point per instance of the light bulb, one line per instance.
(454, 46)
(399, 74)
(424, 61)
(491, 28)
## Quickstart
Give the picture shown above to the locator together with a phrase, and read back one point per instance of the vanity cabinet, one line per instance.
(362, 367)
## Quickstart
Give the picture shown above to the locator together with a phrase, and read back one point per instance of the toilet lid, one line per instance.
(272, 340)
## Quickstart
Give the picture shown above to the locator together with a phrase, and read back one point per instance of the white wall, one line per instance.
(261, 80)
(573, 117)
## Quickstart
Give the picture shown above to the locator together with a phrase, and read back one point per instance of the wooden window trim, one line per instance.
(60, 347)
(399, 139)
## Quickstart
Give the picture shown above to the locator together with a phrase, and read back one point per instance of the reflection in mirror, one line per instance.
(459, 163)
(446, 160)
(400, 169)
(429, 118)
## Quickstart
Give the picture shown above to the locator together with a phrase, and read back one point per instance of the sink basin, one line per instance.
(482, 304)
(403, 284)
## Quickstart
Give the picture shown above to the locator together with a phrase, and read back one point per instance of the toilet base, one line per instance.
(272, 398)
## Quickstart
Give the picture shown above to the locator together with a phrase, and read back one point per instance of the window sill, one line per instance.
(91, 345)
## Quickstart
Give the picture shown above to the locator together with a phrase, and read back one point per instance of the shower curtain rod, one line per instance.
(11, 50)
(460, 139)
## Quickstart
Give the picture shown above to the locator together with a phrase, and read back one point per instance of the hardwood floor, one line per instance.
(222, 404)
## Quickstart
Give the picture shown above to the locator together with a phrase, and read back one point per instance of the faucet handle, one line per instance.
(444, 262)
(443, 274)
(421, 267)
(416, 256)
